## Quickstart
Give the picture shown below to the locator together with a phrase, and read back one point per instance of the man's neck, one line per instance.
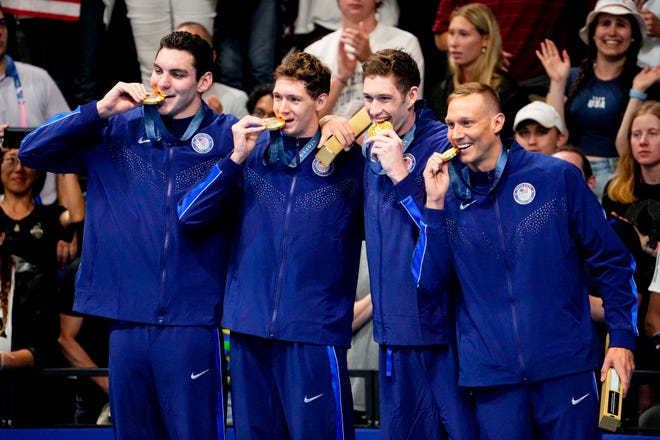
(309, 132)
(191, 111)
(488, 163)
(408, 125)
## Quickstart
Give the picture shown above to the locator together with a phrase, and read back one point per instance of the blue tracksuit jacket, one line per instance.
(294, 268)
(403, 314)
(518, 252)
(139, 264)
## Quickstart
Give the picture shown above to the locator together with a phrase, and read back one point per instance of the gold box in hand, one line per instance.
(331, 148)
(611, 400)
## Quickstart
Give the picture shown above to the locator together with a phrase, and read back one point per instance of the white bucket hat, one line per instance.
(614, 7)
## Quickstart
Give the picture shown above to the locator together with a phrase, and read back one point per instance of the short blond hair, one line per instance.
(489, 94)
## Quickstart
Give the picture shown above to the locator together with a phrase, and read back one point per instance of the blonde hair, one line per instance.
(488, 64)
(628, 174)
(492, 103)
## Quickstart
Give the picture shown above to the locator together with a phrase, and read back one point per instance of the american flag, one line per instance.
(67, 10)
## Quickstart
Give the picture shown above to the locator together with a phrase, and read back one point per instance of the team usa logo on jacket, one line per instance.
(322, 170)
(524, 193)
(202, 143)
(410, 161)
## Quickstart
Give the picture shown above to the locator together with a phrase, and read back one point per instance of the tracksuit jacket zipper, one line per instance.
(512, 299)
(280, 272)
(166, 240)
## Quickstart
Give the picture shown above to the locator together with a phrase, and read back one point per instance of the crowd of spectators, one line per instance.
(581, 73)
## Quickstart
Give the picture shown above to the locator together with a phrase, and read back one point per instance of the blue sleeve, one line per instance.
(612, 265)
(412, 197)
(432, 263)
(211, 195)
(219, 192)
(55, 145)
(411, 191)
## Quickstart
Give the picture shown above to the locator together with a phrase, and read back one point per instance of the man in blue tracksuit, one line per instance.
(161, 285)
(419, 394)
(516, 229)
(292, 279)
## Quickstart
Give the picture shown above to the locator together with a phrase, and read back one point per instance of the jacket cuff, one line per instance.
(623, 338)
(407, 187)
(230, 168)
(435, 218)
(90, 113)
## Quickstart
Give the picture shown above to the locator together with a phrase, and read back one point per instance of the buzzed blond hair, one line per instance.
(491, 98)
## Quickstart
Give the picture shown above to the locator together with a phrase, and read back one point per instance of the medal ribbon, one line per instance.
(155, 128)
(374, 165)
(275, 151)
(461, 175)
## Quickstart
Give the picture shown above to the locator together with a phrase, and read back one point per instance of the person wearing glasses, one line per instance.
(29, 320)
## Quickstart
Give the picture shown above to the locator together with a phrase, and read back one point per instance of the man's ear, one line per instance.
(498, 122)
(321, 101)
(411, 96)
(205, 82)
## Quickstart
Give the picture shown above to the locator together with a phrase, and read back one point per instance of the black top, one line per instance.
(647, 358)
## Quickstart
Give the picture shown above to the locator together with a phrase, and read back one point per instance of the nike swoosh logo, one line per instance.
(143, 140)
(309, 399)
(465, 205)
(575, 401)
(194, 376)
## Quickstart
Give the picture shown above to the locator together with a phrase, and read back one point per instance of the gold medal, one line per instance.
(378, 127)
(154, 97)
(448, 155)
(274, 123)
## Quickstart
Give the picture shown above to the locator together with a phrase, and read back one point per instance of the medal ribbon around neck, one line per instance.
(374, 165)
(155, 128)
(458, 176)
(275, 151)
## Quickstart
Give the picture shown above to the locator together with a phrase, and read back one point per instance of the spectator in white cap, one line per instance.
(538, 127)
(592, 98)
